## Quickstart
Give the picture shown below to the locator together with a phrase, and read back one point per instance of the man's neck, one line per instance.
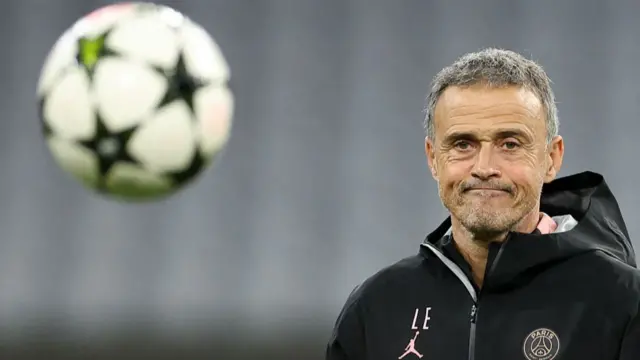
(475, 248)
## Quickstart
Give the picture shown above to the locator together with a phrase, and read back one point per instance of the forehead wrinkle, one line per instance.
(492, 111)
(515, 127)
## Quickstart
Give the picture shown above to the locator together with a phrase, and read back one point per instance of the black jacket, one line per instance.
(572, 294)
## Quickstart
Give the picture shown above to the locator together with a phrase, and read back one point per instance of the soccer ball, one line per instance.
(134, 102)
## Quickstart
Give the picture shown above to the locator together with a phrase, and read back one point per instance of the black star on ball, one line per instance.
(181, 84)
(110, 147)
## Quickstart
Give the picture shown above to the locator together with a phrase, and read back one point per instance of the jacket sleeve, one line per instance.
(347, 340)
(630, 349)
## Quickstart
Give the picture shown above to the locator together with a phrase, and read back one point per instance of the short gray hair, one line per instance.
(496, 68)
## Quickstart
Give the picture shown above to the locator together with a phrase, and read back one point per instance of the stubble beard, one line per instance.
(483, 222)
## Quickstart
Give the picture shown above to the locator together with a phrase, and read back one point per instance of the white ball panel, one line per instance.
(100, 20)
(214, 106)
(126, 91)
(203, 57)
(68, 108)
(170, 16)
(61, 56)
(146, 38)
(130, 181)
(166, 142)
(75, 160)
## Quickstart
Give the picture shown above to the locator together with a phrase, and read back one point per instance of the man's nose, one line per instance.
(485, 166)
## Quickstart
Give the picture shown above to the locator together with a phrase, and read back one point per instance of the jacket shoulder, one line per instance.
(613, 268)
(616, 278)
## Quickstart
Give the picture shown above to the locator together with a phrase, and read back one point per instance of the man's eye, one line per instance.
(462, 145)
(510, 145)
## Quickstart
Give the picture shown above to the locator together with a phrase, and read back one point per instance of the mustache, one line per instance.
(479, 184)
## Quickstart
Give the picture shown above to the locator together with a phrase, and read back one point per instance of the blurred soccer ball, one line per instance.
(134, 101)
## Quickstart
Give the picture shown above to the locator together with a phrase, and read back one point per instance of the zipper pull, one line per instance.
(474, 312)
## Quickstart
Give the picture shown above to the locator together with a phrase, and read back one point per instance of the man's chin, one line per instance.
(486, 227)
(487, 233)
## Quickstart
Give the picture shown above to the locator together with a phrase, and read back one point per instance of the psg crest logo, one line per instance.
(541, 344)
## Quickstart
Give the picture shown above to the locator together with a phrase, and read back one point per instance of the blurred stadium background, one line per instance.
(324, 181)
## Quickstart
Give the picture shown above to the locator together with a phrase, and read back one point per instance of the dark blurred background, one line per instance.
(323, 183)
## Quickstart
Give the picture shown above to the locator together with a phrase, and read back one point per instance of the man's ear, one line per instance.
(431, 157)
(555, 154)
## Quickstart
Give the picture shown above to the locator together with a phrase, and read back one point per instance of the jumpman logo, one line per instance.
(411, 348)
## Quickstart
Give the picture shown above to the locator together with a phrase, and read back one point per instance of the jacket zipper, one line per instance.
(470, 289)
(472, 331)
(475, 308)
(473, 316)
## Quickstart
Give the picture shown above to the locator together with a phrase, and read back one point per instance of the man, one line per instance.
(527, 266)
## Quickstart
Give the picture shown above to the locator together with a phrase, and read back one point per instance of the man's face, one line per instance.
(490, 156)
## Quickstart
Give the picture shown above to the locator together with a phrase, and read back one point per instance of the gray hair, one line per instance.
(496, 68)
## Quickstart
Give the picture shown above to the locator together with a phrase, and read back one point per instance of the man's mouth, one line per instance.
(486, 191)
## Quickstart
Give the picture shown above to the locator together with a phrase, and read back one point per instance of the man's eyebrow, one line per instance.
(512, 133)
(459, 135)
(468, 135)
